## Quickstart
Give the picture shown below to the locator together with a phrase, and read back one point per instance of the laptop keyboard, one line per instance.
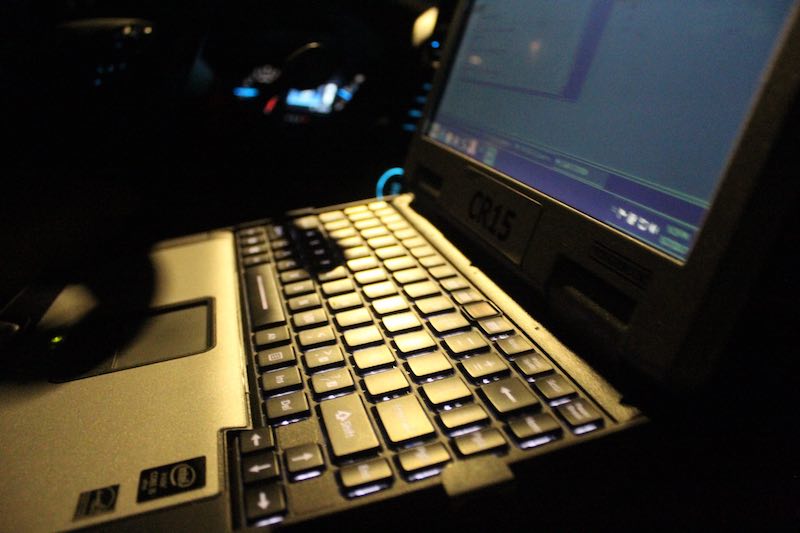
(361, 326)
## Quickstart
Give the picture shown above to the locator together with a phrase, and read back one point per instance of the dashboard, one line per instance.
(172, 116)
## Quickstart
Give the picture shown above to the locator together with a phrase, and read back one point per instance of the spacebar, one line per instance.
(263, 298)
(348, 426)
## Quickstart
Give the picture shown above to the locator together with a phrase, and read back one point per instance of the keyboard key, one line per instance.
(281, 380)
(463, 417)
(465, 343)
(399, 263)
(353, 318)
(316, 336)
(448, 323)
(374, 472)
(377, 231)
(301, 303)
(249, 232)
(579, 413)
(336, 225)
(345, 301)
(277, 357)
(356, 209)
(381, 242)
(390, 252)
(418, 341)
(480, 441)
(333, 274)
(286, 264)
(258, 249)
(290, 276)
(404, 419)
(514, 345)
(431, 261)
(358, 217)
(255, 260)
(478, 310)
(509, 396)
(454, 284)
(332, 381)
(534, 426)
(443, 271)
(446, 391)
(343, 233)
(393, 219)
(364, 336)
(373, 275)
(422, 251)
(431, 306)
(392, 304)
(372, 358)
(292, 405)
(387, 382)
(401, 322)
(263, 298)
(405, 233)
(495, 326)
(303, 458)
(281, 254)
(330, 216)
(421, 289)
(379, 290)
(298, 288)
(378, 206)
(423, 457)
(484, 366)
(308, 319)
(410, 275)
(264, 501)
(533, 365)
(429, 364)
(256, 440)
(271, 337)
(341, 286)
(367, 223)
(348, 426)
(351, 242)
(363, 263)
(323, 357)
(467, 296)
(554, 387)
(261, 467)
(414, 242)
(359, 252)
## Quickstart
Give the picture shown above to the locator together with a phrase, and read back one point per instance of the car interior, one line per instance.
(127, 123)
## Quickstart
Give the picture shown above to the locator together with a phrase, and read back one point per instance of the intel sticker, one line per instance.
(171, 479)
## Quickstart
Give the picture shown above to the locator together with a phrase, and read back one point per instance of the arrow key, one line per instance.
(509, 396)
(256, 440)
(263, 501)
(261, 467)
(303, 458)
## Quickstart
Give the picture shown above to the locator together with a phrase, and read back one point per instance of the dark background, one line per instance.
(165, 149)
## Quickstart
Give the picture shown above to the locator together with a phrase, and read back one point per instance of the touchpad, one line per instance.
(162, 334)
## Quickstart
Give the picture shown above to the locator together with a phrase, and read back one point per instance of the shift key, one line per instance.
(348, 426)
(263, 298)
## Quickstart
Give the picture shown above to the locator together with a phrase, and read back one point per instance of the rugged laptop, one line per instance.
(621, 159)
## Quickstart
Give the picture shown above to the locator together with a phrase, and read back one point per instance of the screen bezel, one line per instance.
(668, 295)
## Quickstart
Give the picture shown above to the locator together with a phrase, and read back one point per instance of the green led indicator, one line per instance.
(55, 341)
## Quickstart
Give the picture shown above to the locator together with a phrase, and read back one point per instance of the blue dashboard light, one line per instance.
(345, 95)
(410, 127)
(245, 92)
(435, 44)
(395, 187)
(415, 113)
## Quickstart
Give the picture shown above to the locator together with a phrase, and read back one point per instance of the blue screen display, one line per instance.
(627, 111)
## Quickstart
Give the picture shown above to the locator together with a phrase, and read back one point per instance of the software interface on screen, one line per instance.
(625, 110)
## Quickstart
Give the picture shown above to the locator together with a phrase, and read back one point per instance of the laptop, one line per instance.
(621, 162)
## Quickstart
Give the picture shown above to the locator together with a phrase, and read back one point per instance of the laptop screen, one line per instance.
(626, 111)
